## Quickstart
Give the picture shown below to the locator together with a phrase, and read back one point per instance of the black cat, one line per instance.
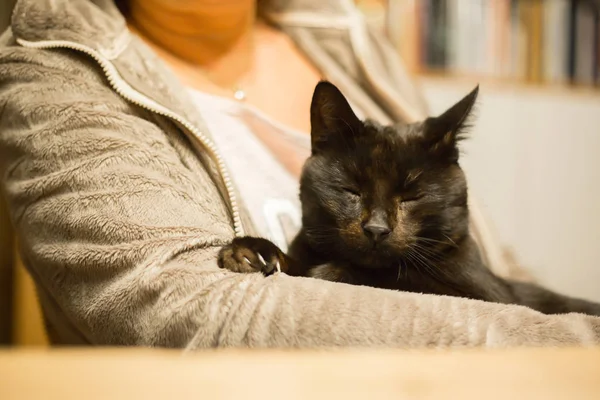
(386, 206)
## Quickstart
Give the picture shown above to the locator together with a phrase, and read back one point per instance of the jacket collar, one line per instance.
(96, 24)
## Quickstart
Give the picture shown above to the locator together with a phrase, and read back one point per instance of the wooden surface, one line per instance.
(6, 274)
(159, 374)
(27, 322)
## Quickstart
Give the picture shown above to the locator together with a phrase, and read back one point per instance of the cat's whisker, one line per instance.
(405, 267)
(428, 266)
(450, 243)
(423, 268)
(417, 259)
(450, 239)
(430, 240)
(414, 263)
(428, 256)
(433, 268)
(428, 252)
(423, 249)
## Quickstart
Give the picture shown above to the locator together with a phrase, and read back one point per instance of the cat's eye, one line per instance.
(411, 197)
(354, 192)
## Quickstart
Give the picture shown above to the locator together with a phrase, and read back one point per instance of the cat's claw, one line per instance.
(262, 260)
(249, 254)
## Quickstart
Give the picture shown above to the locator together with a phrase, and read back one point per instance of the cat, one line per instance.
(386, 206)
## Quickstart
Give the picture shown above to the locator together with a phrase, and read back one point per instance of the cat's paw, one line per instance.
(250, 254)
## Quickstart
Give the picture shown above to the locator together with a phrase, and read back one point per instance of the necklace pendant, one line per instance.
(239, 95)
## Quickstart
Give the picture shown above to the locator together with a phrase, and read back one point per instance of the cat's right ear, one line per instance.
(443, 133)
(330, 117)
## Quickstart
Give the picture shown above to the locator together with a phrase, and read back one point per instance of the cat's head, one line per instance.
(373, 193)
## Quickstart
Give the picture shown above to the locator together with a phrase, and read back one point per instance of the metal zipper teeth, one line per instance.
(133, 96)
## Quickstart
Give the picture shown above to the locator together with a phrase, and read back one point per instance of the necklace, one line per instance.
(236, 90)
(239, 94)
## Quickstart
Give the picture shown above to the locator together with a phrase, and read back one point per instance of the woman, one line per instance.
(123, 187)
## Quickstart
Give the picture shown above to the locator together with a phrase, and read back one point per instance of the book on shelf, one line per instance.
(538, 41)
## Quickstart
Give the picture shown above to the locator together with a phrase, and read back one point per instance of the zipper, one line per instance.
(124, 90)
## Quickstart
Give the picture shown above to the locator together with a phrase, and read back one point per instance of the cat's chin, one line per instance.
(363, 253)
(376, 259)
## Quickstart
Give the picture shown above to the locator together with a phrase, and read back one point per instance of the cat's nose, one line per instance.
(377, 232)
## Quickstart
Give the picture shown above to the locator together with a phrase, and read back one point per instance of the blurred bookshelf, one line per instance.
(544, 44)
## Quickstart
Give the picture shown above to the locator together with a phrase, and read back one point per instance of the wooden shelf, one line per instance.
(509, 84)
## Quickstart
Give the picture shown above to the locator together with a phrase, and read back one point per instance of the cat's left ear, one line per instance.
(332, 120)
(443, 133)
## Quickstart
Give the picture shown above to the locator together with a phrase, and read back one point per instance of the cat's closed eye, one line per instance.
(411, 197)
(351, 191)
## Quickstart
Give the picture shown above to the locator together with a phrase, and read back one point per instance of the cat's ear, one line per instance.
(443, 133)
(330, 117)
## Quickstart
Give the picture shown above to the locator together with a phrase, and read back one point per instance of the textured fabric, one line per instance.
(120, 213)
(270, 191)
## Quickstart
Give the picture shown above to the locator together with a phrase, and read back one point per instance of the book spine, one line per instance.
(436, 19)
(596, 43)
(452, 41)
(519, 38)
(443, 38)
(557, 41)
(535, 49)
(526, 52)
(550, 20)
(572, 40)
(552, 41)
(584, 50)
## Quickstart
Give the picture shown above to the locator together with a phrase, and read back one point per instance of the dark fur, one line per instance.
(402, 183)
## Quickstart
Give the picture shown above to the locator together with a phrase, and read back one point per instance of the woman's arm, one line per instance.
(123, 235)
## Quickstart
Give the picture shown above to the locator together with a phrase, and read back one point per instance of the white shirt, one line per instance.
(268, 190)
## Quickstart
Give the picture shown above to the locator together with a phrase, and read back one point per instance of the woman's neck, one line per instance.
(263, 62)
(217, 37)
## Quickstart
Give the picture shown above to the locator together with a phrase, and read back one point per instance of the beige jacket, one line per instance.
(121, 201)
